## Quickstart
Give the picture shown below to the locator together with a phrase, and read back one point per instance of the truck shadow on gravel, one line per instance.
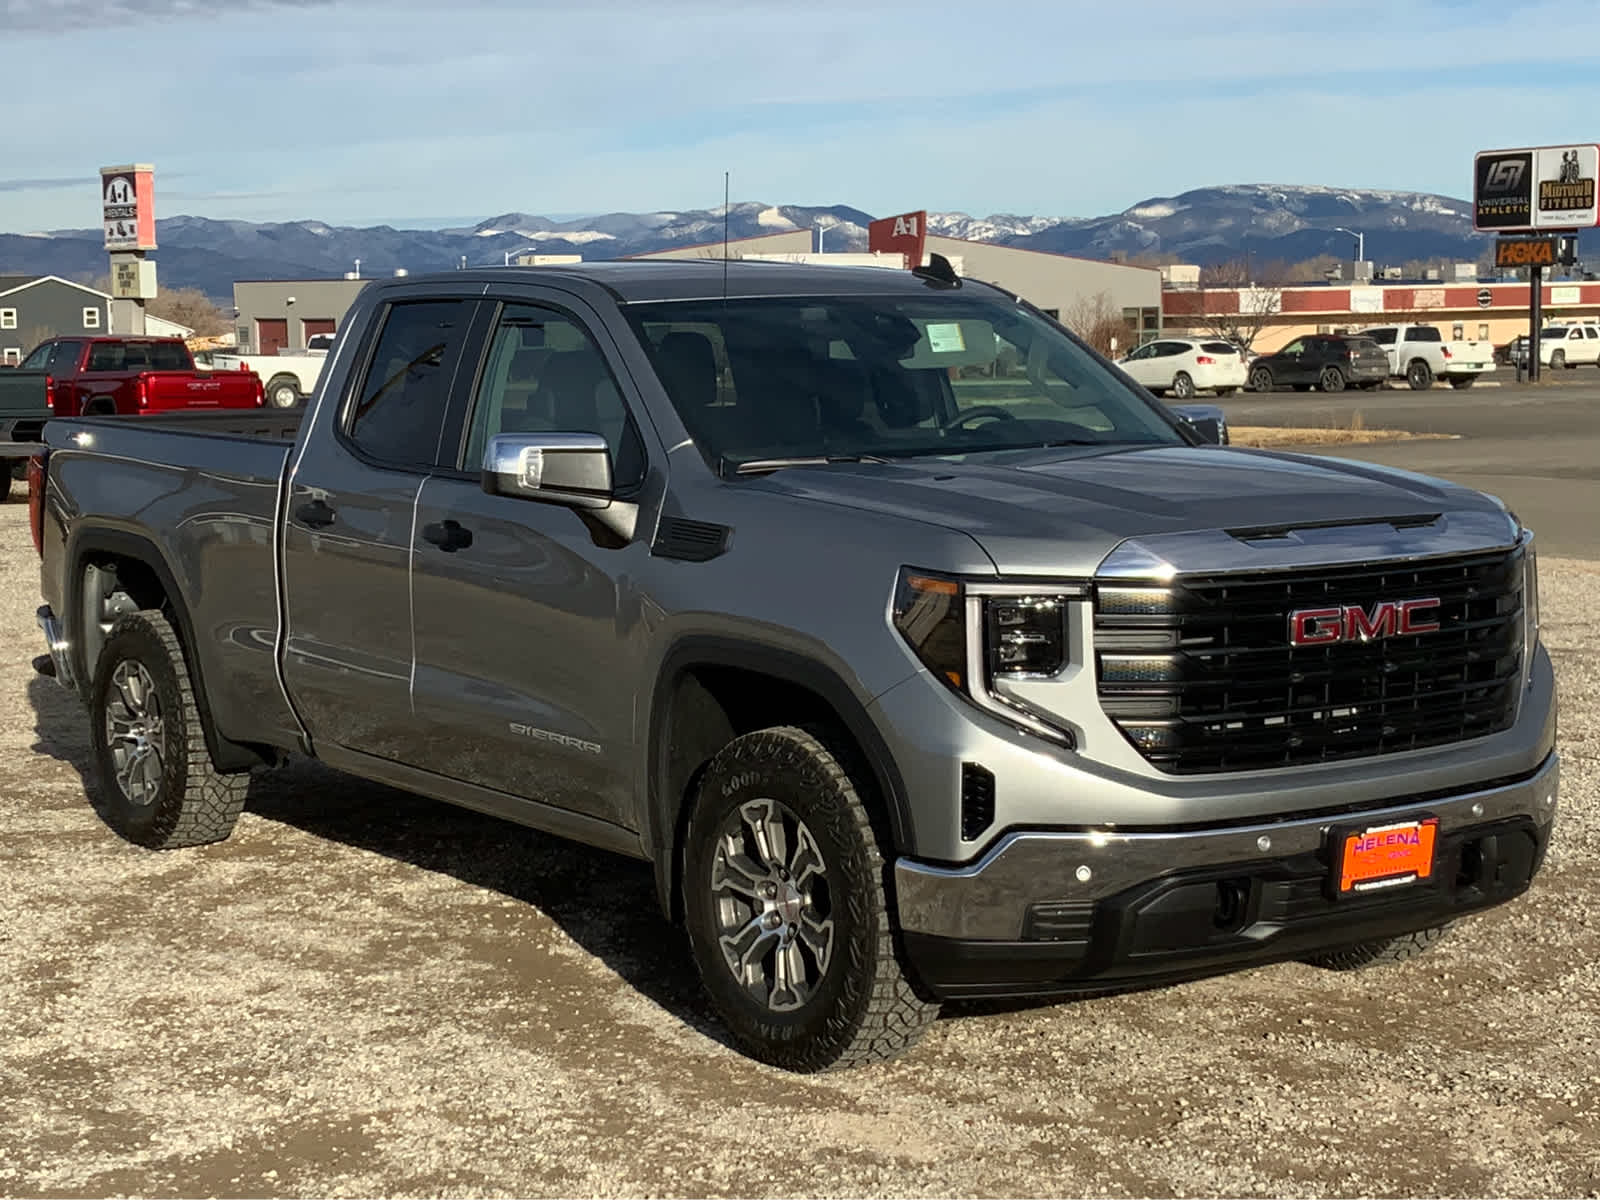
(604, 902)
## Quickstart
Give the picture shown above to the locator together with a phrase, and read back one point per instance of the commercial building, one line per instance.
(1491, 312)
(278, 314)
(36, 307)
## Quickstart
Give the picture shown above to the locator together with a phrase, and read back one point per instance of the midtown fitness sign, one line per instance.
(1535, 188)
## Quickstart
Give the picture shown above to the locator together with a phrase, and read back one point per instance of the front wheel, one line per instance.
(1183, 386)
(786, 908)
(1419, 375)
(1332, 380)
(154, 779)
(1261, 380)
(1558, 359)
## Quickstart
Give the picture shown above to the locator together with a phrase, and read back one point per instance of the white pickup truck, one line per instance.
(1419, 354)
(290, 377)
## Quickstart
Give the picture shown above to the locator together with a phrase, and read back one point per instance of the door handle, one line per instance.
(317, 514)
(449, 536)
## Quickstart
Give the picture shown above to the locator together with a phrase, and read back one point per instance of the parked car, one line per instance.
(1181, 367)
(1419, 354)
(923, 656)
(101, 376)
(1568, 345)
(1329, 362)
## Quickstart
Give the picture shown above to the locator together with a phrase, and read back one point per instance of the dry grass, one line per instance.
(1351, 434)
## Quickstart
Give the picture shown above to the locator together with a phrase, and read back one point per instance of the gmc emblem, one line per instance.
(1352, 623)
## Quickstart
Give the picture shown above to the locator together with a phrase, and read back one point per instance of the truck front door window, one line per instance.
(399, 411)
(546, 375)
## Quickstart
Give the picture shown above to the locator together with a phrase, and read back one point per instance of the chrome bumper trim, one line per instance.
(55, 641)
(988, 899)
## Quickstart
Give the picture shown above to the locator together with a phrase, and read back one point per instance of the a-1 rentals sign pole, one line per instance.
(1538, 192)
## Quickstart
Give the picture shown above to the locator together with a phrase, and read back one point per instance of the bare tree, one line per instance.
(1236, 300)
(1097, 320)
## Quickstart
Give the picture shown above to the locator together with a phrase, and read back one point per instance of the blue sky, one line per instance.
(354, 112)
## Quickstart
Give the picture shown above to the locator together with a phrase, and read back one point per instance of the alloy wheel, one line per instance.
(769, 885)
(134, 732)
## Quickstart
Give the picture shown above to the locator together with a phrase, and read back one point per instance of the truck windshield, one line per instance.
(883, 377)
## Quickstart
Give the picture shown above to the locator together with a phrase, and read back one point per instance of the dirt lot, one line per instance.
(363, 993)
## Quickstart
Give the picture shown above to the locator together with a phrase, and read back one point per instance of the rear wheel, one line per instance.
(1419, 375)
(787, 913)
(283, 391)
(155, 782)
(1332, 380)
(1384, 950)
(1261, 380)
(1183, 386)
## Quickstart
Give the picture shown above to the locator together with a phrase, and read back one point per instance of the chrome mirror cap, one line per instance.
(558, 468)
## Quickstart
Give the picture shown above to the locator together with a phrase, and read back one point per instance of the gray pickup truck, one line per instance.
(924, 655)
(24, 408)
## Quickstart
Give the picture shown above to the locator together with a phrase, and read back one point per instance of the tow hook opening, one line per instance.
(1233, 904)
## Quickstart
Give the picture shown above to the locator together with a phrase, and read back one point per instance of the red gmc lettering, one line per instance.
(1381, 624)
(1312, 627)
(1411, 623)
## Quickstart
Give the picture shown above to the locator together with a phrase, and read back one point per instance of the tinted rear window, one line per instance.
(1363, 345)
(1423, 333)
(1218, 348)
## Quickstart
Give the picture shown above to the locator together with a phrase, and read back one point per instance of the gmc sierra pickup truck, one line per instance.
(923, 653)
(99, 376)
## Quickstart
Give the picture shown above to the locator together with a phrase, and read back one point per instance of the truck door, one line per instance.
(347, 529)
(529, 650)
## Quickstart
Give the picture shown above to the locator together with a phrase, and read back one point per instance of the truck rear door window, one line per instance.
(399, 410)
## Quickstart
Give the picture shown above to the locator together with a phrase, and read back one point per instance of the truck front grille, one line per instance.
(1200, 674)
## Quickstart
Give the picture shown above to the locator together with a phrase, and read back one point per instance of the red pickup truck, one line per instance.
(102, 376)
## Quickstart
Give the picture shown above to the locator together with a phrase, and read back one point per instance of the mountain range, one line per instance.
(1207, 225)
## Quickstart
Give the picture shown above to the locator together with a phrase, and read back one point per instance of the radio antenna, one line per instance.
(726, 208)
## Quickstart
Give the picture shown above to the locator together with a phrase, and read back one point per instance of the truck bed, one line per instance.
(205, 484)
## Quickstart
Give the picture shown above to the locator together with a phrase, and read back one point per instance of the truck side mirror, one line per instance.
(1207, 420)
(572, 469)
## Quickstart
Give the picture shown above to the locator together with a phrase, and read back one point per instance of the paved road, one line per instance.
(1537, 448)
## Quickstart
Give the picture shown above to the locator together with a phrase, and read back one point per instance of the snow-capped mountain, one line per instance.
(1288, 222)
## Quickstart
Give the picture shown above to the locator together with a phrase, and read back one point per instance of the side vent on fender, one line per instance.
(977, 800)
(690, 541)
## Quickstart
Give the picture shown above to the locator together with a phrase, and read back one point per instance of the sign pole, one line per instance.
(1535, 313)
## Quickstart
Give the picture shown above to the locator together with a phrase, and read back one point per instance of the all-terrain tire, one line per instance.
(862, 1007)
(192, 803)
(1385, 950)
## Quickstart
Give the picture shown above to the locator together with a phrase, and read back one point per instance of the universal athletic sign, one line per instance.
(1536, 187)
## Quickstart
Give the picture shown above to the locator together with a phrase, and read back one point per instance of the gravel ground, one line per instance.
(364, 993)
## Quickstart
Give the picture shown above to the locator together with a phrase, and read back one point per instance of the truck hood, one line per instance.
(1061, 512)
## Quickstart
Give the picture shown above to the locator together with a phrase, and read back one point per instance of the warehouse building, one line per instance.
(280, 314)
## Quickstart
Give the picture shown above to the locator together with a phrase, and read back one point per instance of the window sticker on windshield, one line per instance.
(945, 338)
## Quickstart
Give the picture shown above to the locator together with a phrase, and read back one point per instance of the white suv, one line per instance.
(1569, 345)
(1184, 366)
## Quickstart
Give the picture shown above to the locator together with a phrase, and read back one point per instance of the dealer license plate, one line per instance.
(1385, 856)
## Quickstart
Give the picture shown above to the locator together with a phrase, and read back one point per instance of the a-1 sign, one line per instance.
(1536, 187)
(128, 207)
(903, 234)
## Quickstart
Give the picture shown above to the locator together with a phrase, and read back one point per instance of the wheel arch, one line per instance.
(710, 690)
(142, 569)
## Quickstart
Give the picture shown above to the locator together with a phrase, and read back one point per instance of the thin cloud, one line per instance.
(43, 185)
(62, 16)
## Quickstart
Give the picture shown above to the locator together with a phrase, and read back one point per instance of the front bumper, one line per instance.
(1047, 912)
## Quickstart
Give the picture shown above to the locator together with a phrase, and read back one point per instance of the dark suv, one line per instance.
(1331, 362)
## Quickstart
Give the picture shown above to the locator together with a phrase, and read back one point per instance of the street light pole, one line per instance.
(1361, 242)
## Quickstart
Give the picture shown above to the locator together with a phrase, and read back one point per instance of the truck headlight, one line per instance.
(974, 635)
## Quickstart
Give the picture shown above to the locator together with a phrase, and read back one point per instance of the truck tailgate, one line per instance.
(206, 504)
